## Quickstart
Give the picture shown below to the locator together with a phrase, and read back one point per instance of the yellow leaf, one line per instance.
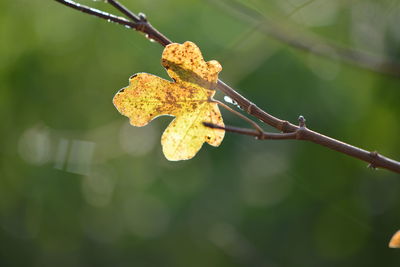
(188, 98)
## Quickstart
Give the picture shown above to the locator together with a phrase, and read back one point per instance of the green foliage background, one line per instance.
(79, 187)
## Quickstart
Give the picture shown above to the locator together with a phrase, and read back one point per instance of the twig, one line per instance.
(139, 23)
(301, 6)
(374, 159)
(259, 135)
(289, 130)
(127, 12)
(311, 43)
(98, 13)
(237, 113)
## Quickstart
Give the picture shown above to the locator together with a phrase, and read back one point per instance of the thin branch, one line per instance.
(143, 24)
(237, 113)
(140, 23)
(289, 130)
(125, 11)
(298, 8)
(98, 13)
(374, 159)
(311, 43)
(261, 136)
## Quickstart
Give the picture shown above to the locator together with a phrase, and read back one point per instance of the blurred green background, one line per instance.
(80, 187)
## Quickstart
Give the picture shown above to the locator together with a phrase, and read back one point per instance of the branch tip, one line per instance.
(143, 17)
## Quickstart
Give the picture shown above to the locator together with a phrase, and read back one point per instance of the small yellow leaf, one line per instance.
(395, 241)
(188, 98)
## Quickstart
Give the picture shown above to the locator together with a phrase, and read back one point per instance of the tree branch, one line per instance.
(374, 159)
(259, 135)
(139, 22)
(289, 130)
(311, 43)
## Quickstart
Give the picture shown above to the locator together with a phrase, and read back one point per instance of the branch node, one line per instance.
(302, 121)
(249, 108)
(260, 136)
(300, 133)
(284, 126)
(141, 27)
(375, 156)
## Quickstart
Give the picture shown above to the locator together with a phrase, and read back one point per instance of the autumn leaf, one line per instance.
(189, 98)
(395, 241)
